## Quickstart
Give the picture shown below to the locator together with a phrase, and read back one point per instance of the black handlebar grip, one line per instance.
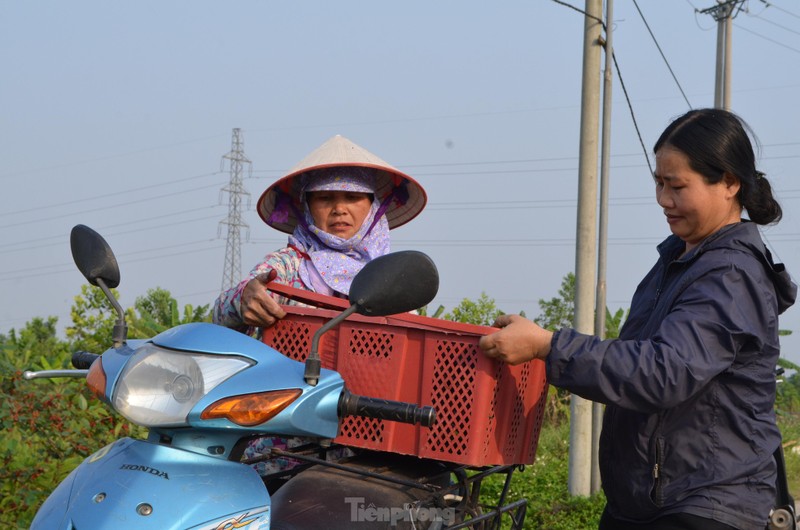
(384, 409)
(82, 360)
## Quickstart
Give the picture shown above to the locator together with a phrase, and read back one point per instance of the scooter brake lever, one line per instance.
(49, 374)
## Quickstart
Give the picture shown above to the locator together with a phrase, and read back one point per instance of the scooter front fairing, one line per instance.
(133, 484)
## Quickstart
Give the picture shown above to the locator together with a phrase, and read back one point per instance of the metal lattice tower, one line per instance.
(235, 189)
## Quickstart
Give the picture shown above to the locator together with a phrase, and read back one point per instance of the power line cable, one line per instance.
(399, 243)
(107, 157)
(581, 11)
(622, 83)
(106, 207)
(570, 158)
(114, 194)
(409, 120)
(767, 38)
(770, 4)
(636, 4)
(447, 206)
(104, 228)
(136, 253)
(69, 267)
(768, 21)
(435, 206)
(633, 115)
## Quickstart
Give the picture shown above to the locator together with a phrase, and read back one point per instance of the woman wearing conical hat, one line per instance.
(337, 205)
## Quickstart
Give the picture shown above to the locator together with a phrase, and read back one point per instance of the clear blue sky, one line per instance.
(116, 115)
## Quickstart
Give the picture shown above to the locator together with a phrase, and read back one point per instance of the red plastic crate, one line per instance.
(488, 412)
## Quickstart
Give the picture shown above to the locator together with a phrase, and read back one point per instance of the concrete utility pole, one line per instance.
(580, 436)
(600, 302)
(231, 273)
(723, 13)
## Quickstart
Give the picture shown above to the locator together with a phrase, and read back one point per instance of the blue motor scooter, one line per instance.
(204, 391)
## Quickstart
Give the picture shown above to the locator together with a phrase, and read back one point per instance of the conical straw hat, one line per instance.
(341, 152)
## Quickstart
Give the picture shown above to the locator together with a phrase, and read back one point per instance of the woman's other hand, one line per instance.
(518, 341)
(258, 308)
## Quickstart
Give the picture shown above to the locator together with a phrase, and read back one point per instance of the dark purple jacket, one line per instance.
(689, 386)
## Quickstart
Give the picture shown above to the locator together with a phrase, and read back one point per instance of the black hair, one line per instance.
(716, 142)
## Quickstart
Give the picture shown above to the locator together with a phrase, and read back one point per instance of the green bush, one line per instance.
(790, 430)
(544, 485)
(49, 427)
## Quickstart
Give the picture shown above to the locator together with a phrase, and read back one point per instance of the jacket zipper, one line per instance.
(657, 486)
(663, 280)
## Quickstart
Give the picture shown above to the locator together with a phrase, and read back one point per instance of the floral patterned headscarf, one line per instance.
(332, 261)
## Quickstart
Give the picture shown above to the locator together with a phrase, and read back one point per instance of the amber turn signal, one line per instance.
(251, 409)
(96, 379)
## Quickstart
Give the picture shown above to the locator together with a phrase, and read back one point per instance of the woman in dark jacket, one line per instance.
(689, 430)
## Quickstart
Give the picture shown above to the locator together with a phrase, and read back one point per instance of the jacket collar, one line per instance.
(745, 237)
(671, 248)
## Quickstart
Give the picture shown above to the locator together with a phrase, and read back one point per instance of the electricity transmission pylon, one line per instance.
(231, 273)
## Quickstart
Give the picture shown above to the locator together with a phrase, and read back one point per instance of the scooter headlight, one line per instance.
(158, 387)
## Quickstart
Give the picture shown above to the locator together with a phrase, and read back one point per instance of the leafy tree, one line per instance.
(482, 311)
(93, 319)
(157, 311)
(423, 311)
(614, 322)
(559, 312)
(35, 346)
(157, 306)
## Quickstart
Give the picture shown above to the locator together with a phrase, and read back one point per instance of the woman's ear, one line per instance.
(732, 183)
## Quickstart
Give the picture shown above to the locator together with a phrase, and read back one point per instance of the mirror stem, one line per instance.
(313, 362)
(120, 333)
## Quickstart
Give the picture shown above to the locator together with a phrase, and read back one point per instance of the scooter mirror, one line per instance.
(395, 283)
(93, 256)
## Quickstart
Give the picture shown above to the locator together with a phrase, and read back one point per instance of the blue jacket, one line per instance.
(689, 386)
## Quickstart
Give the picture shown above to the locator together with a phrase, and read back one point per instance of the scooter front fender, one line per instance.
(133, 484)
